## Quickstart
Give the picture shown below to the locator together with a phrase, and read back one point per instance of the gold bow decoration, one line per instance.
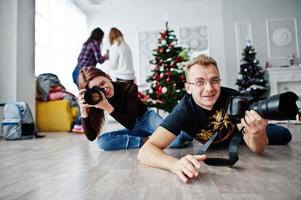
(225, 127)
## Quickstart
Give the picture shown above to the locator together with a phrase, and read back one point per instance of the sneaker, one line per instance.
(78, 129)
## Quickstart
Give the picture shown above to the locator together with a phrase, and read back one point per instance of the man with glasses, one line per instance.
(198, 114)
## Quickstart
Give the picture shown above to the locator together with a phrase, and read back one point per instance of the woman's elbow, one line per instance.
(140, 154)
(91, 137)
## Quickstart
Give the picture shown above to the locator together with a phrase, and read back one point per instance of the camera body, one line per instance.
(93, 95)
(278, 107)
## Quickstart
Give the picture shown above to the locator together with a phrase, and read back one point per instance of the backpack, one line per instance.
(17, 122)
(1, 118)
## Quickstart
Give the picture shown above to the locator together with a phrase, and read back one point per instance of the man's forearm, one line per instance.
(256, 143)
(153, 156)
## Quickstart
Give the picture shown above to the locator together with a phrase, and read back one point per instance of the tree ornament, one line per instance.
(168, 73)
(159, 90)
(164, 34)
(161, 49)
(167, 80)
(179, 59)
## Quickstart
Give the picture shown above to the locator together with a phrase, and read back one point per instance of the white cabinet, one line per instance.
(283, 79)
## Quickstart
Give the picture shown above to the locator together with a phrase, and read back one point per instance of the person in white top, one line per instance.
(120, 57)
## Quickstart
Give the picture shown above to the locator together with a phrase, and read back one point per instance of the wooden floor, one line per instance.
(68, 166)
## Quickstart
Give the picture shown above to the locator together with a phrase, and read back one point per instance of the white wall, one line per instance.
(8, 50)
(133, 16)
(17, 81)
(256, 11)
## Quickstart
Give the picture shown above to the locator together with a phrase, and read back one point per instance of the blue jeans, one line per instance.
(181, 141)
(75, 74)
(278, 135)
(129, 139)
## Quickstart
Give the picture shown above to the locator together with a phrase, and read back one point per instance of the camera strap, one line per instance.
(205, 146)
(233, 147)
(233, 153)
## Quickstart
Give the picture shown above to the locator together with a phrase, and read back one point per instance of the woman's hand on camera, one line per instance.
(82, 104)
(104, 104)
(188, 167)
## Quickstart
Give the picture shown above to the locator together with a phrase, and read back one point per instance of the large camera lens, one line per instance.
(278, 107)
(93, 96)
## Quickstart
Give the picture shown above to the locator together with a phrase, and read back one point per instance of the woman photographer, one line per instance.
(121, 101)
(89, 56)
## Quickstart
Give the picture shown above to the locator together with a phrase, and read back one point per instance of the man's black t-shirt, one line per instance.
(198, 122)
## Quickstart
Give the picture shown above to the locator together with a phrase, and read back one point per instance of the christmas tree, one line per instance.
(167, 75)
(251, 76)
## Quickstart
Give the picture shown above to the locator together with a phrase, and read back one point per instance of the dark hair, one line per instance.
(95, 115)
(97, 34)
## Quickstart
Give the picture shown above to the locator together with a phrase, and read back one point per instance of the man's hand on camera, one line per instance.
(188, 167)
(254, 131)
(254, 124)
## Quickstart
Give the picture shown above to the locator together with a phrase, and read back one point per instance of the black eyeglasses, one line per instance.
(202, 82)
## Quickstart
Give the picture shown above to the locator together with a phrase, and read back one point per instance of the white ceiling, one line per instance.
(89, 5)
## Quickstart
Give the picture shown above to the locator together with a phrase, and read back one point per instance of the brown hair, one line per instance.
(202, 59)
(95, 115)
(115, 35)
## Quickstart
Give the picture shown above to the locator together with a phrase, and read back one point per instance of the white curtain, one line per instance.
(60, 31)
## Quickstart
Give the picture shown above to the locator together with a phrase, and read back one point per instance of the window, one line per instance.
(60, 31)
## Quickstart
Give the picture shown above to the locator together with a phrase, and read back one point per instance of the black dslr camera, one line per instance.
(93, 95)
(278, 107)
